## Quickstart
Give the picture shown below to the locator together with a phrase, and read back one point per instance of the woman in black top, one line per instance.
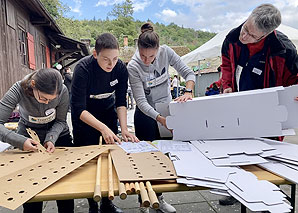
(98, 99)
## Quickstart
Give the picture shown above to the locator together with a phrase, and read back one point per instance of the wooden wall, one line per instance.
(11, 68)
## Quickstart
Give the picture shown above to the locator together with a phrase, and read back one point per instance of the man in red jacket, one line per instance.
(255, 56)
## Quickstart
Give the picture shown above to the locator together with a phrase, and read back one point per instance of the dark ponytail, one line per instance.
(148, 37)
(48, 81)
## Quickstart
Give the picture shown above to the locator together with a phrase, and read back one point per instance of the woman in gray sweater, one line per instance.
(149, 79)
(43, 104)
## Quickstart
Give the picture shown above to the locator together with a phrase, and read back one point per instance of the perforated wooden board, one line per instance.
(14, 160)
(18, 187)
(142, 166)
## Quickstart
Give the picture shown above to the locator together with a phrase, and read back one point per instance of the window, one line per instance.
(43, 56)
(23, 46)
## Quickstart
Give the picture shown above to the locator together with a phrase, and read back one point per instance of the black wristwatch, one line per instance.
(188, 90)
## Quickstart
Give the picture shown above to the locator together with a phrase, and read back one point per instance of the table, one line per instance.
(80, 183)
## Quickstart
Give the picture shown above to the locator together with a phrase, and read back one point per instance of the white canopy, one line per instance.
(212, 48)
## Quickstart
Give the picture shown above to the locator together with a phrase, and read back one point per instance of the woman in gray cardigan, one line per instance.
(149, 79)
(43, 104)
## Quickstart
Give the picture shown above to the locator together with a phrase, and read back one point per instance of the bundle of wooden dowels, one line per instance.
(148, 195)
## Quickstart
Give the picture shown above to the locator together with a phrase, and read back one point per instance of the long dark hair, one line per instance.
(48, 81)
(148, 37)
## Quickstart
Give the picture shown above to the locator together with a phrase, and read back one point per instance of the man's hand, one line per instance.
(228, 90)
(296, 99)
(109, 136)
(184, 98)
(49, 146)
(127, 136)
(30, 145)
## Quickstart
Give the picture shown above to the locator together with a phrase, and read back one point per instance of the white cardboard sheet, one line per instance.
(248, 114)
(224, 148)
(195, 165)
(163, 109)
(286, 171)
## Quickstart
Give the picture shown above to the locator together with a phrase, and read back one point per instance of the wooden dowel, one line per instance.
(111, 187)
(97, 189)
(127, 188)
(137, 187)
(132, 187)
(144, 196)
(152, 196)
(122, 192)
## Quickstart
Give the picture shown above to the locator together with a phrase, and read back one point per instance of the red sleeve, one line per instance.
(226, 66)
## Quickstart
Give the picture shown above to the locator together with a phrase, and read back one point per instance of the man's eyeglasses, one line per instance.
(244, 28)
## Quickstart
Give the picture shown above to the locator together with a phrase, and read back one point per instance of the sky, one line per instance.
(207, 15)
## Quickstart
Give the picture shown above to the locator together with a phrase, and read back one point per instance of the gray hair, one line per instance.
(266, 17)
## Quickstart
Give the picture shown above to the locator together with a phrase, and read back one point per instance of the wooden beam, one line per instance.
(64, 57)
(60, 50)
(40, 21)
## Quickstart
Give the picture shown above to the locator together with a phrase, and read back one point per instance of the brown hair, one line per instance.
(148, 37)
(106, 41)
(48, 81)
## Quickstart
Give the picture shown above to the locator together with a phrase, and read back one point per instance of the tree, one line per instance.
(55, 8)
(122, 10)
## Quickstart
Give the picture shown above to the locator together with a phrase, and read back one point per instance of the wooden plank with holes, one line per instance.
(18, 187)
(142, 166)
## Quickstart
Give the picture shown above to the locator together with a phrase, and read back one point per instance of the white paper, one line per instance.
(141, 146)
(172, 146)
(4, 146)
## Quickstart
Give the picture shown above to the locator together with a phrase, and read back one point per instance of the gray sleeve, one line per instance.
(60, 121)
(7, 105)
(138, 92)
(176, 62)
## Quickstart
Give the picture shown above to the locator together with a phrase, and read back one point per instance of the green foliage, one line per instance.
(55, 8)
(122, 10)
(123, 24)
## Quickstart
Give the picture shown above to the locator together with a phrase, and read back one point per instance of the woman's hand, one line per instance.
(30, 145)
(184, 98)
(49, 146)
(162, 120)
(127, 136)
(109, 136)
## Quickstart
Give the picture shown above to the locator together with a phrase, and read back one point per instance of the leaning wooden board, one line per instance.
(142, 166)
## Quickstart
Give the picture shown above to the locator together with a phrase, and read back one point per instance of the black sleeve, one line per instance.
(79, 91)
(68, 77)
(121, 88)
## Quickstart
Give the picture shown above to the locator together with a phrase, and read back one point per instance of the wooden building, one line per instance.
(30, 39)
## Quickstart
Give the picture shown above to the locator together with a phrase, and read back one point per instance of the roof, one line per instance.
(40, 16)
(68, 47)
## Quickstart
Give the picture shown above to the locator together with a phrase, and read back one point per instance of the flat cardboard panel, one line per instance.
(185, 162)
(288, 172)
(259, 206)
(196, 182)
(246, 114)
(262, 191)
(20, 186)
(142, 166)
(163, 109)
(286, 97)
(224, 148)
